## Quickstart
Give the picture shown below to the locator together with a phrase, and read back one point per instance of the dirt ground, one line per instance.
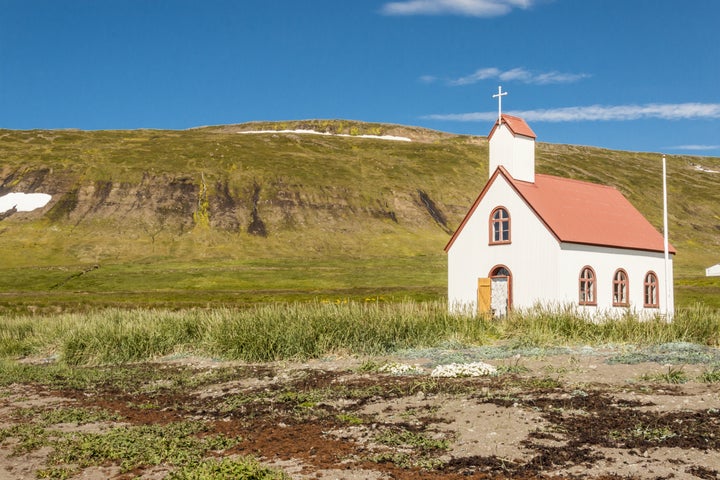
(553, 417)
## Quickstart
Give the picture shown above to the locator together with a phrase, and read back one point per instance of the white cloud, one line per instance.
(471, 8)
(481, 74)
(667, 111)
(695, 147)
(518, 75)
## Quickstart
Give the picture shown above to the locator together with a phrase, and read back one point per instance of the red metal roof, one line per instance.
(516, 125)
(581, 212)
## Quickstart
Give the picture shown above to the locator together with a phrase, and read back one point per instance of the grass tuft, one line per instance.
(674, 375)
(710, 374)
(297, 331)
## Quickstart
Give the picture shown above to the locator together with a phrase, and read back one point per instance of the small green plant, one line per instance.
(674, 375)
(369, 366)
(176, 444)
(652, 434)
(299, 399)
(355, 393)
(404, 460)
(553, 370)
(56, 473)
(30, 437)
(414, 440)
(647, 433)
(543, 383)
(74, 415)
(420, 412)
(514, 367)
(710, 375)
(144, 406)
(246, 468)
(349, 418)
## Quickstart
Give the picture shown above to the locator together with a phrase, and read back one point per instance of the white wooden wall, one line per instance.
(515, 153)
(605, 261)
(532, 249)
(543, 270)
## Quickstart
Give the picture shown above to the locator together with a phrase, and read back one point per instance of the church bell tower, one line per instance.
(512, 145)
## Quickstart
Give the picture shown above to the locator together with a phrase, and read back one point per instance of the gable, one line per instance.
(516, 125)
(474, 207)
(579, 212)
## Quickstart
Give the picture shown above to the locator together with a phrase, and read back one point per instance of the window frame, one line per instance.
(622, 286)
(583, 289)
(493, 222)
(649, 284)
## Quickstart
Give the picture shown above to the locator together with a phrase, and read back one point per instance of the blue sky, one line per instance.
(638, 75)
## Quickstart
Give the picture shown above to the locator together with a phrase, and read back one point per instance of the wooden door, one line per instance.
(484, 295)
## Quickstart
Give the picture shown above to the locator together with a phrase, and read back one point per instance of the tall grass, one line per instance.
(314, 329)
(108, 336)
(559, 326)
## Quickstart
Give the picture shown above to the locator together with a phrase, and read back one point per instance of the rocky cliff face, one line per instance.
(180, 203)
(154, 199)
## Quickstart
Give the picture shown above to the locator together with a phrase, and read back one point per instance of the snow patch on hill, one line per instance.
(23, 202)
(700, 168)
(315, 132)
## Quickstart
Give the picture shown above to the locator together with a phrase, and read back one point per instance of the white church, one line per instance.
(532, 239)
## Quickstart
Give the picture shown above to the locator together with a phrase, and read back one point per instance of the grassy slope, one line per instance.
(337, 240)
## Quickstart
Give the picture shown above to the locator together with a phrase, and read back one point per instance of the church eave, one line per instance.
(472, 209)
(619, 247)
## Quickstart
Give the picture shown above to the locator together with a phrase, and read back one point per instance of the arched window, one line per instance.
(500, 271)
(650, 290)
(499, 226)
(620, 289)
(587, 287)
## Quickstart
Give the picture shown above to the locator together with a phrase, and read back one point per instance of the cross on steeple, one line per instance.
(499, 96)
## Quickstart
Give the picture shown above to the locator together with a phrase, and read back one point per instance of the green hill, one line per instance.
(210, 216)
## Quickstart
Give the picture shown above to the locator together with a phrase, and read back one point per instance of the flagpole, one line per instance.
(668, 313)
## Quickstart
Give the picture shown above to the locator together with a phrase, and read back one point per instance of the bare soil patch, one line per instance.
(554, 417)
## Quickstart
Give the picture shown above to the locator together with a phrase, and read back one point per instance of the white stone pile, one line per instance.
(401, 369)
(474, 369)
